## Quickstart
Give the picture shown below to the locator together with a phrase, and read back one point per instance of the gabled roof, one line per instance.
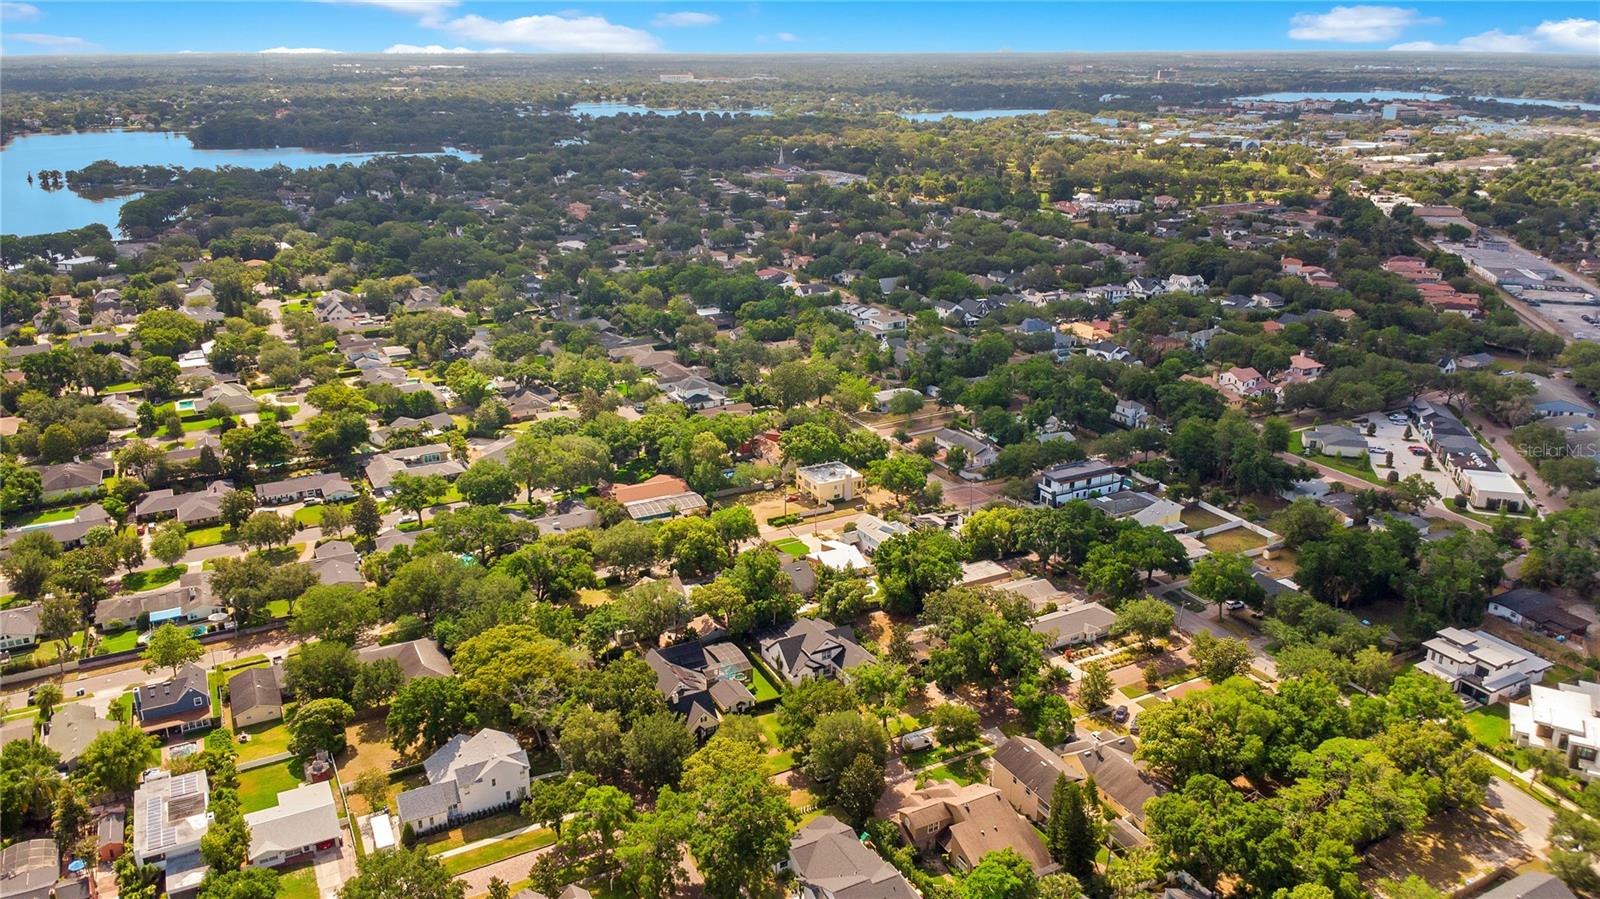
(1032, 763)
(826, 854)
(254, 688)
(417, 658)
(303, 816)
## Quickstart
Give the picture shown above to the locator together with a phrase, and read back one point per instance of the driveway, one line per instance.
(333, 868)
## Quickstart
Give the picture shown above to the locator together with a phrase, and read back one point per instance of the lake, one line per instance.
(969, 115)
(607, 110)
(28, 209)
(1387, 96)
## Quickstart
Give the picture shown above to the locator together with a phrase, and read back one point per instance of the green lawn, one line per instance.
(761, 687)
(48, 516)
(499, 850)
(964, 772)
(922, 758)
(299, 882)
(265, 740)
(311, 516)
(211, 536)
(778, 760)
(152, 578)
(791, 546)
(1490, 725)
(473, 831)
(259, 787)
(204, 424)
(121, 641)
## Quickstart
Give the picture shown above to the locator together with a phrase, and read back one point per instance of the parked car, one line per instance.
(1120, 714)
(1418, 450)
(1233, 605)
(917, 739)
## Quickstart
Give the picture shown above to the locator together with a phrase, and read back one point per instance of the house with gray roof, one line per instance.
(173, 706)
(1335, 440)
(1025, 771)
(810, 647)
(417, 461)
(72, 728)
(303, 822)
(468, 777)
(197, 509)
(19, 627)
(830, 862)
(702, 682)
(417, 658)
(1074, 624)
(255, 696)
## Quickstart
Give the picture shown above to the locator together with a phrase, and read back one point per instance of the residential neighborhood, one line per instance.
(769, 487)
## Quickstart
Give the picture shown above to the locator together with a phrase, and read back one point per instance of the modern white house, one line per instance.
(171, 817)
(468, 778)
(1566, 720)
(1078, 480)
(1481, 666)
(1074, 624)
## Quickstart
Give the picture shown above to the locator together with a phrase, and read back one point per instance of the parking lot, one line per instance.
(1391, 437)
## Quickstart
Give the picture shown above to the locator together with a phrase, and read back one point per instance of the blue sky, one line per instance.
(462, 26)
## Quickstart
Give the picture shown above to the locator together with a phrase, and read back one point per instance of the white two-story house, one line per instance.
(468, 777)
(1078, 480)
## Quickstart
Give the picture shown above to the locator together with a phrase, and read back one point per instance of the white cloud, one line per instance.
(436, 50)
(428, 12)
(786, 37)
(1497, 41)
(560, 34)
(1356, 24)
(299, 51)
(18, 12)
(1571, 34)
(1565, 36)
(685, 19)
(52, 41)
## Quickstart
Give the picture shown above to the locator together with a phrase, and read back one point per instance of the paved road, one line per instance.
(104, 685)
(1535, 817)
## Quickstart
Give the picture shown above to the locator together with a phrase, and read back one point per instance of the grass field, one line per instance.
(791, 546)
(48, 516)
(965, 772)
(299, 882)
(778, 760)
(265, 740)
(121, 641)
(1490, 725)
(498, 850)
(210, 536)
(922, 758)
(1199, 519)
(472, 832)
(149, 579)
(761, 687)
(1234, 540)
(259, 787)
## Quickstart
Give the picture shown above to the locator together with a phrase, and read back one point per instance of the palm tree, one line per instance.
(37, 785)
